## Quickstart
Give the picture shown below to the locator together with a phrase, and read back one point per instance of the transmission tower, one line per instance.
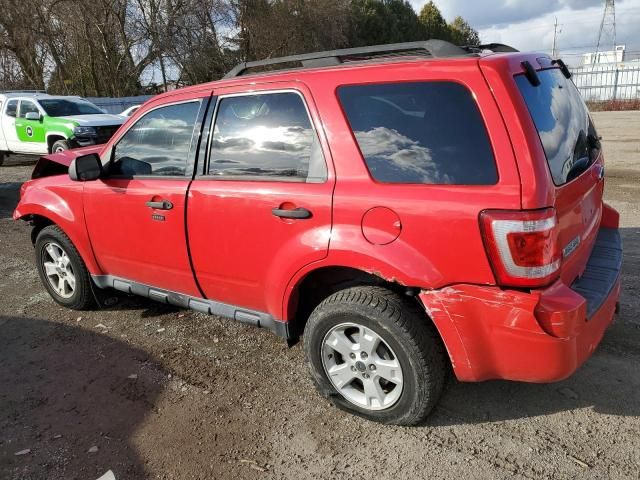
(607, 34)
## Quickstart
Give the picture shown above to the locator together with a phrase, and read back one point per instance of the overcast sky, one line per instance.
(528, 24)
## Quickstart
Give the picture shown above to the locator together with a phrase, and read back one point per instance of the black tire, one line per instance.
(407, 330)
(2, 157)
(81, 297)
(60, 146)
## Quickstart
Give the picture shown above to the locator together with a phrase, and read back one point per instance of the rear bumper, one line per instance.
(541, 336)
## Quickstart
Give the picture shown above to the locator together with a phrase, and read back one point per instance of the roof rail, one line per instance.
(496, 48)
(431, 48)
(23, 91)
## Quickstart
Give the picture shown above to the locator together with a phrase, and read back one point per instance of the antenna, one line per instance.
(607, 34)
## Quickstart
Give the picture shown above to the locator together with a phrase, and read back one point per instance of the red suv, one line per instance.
(407, 209)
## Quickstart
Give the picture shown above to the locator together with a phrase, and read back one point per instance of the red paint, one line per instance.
(126, 239)
(493, 334)
(381, 226)
(423, 236)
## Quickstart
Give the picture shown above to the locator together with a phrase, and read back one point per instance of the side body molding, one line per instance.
(210, 307)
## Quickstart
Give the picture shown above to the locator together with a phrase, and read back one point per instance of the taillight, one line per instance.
(522, 246)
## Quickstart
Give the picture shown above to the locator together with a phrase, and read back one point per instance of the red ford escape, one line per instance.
(406, 209)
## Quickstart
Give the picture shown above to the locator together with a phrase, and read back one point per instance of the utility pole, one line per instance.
(554, 52)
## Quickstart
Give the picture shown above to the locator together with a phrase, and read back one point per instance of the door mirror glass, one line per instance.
(86, 168)
(32, 116)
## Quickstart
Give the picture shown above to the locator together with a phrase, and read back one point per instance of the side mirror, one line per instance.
(33, 116)
(86, 168)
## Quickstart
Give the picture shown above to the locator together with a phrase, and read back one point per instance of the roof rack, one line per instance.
(430, 48)
(496, 48)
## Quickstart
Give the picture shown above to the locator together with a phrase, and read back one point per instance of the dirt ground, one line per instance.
(172, 394)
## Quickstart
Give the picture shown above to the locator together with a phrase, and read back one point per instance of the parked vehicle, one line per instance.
(129, 111)
(407, 209)
(37, 123)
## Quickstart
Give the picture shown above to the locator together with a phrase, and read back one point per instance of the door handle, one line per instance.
(299, 213)
(161, 205)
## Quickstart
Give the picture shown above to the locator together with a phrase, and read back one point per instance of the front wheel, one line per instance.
(375, 354)
(62, 271)
(60, 146)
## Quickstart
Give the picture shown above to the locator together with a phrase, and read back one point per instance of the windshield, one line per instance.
(561, 117)
(63, 107)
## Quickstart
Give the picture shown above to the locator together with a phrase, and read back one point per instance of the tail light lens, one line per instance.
(522, 246)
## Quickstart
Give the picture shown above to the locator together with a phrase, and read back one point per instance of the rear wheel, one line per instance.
(60, 146)
(375, 354)
(62, 271)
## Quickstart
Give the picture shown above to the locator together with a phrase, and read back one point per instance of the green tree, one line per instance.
(462, 33)
(406, 24)
(433, 22)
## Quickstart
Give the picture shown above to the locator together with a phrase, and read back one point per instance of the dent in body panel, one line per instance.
(60, 201)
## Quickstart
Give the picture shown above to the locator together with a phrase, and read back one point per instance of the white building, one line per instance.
(611, 56)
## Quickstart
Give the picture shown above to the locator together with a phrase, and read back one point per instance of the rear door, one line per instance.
(8, 120)
(573, 154)
(135, 213)
(261, 207)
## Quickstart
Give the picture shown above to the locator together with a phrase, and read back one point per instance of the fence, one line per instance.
(608, 81)
(117, 105)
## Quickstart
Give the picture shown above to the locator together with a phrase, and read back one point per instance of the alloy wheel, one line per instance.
(58, 270)
(362, 366)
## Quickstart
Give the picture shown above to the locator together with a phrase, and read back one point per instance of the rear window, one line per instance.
(568, 136)
(424, 133)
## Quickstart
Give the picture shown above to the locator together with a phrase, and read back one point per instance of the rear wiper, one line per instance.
(578, 167)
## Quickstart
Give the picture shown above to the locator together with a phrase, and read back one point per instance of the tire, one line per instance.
(2, 157)
(56, 253)
(406, 338)
(60, 146)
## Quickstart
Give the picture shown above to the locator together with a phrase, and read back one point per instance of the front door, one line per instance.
(261, 209)
(9, 125)
(31, 133)
(135, 214)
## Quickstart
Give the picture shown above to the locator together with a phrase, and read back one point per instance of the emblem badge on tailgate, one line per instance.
(570, 247)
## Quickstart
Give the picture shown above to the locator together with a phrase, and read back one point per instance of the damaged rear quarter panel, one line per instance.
(482, 328)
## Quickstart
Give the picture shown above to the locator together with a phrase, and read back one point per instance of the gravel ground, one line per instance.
(148, 391)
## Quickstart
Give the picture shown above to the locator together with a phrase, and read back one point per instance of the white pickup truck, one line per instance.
(35, 123)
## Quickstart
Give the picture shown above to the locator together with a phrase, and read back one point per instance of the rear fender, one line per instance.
(62, 205)
(397, 263)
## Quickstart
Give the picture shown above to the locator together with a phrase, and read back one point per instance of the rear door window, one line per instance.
(568, 136)
(265, 136)
(12, 108)
(420, 133)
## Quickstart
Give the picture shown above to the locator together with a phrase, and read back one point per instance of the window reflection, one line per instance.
(266, 135)
(562, 121)
(158, 144)
(428, 132)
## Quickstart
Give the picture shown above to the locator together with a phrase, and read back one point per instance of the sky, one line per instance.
(528, 24)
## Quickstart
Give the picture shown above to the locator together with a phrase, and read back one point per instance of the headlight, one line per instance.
(84, 131)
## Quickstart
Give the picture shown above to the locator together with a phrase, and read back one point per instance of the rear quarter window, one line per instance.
(420, 133)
